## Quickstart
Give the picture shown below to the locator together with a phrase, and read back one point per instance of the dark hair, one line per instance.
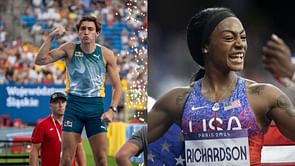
(91, 19)
(197, 75)
(199, 29)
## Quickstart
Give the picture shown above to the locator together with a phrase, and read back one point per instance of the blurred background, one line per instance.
(25, 88)
(170, 63)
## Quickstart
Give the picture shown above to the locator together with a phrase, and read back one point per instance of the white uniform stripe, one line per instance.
(278, 154)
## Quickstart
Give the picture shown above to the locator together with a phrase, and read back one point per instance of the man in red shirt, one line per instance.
(46, 137)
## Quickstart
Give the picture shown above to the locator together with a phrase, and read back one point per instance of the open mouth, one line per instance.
(236, 58)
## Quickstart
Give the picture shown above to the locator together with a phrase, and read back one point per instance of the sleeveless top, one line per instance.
(86, 73)
(234, 113)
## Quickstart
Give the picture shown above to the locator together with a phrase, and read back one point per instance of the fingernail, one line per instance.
(274, 36)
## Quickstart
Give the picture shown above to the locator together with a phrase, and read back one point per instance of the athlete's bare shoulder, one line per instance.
(254, 88)
(104, 48)
(108, 54)
(264, 96)
(172, 102)
(106, 51)
(248, 81)
(68, 48)
(175, 98)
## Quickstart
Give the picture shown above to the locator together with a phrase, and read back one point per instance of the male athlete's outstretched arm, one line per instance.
(45, 56)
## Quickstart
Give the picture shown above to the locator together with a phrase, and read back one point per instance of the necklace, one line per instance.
(216, 106)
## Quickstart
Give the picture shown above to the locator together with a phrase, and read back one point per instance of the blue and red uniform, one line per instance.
(222, 120)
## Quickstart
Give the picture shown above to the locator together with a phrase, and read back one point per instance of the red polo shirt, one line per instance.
(45, 133)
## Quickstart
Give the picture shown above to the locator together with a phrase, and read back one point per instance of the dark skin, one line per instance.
(224, 57)
(275, 53)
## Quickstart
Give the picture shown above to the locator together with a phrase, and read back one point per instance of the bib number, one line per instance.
(217, 148)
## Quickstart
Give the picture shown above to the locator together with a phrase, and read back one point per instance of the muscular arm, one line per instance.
(280, 109)
(132, 147)
(283, 113)
(111, 63)
(124, 154)
(34, 154)
(45, 56)
(166, 111)
(114, 75)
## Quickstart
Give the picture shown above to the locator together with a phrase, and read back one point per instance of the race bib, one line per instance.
(217, 148)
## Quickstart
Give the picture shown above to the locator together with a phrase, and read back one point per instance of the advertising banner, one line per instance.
(31, 102)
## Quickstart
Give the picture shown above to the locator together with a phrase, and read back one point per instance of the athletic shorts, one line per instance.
(82, 111)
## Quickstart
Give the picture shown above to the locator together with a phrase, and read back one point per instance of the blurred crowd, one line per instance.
(124, 30)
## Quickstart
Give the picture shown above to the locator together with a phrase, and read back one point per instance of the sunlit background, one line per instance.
(25, 87)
